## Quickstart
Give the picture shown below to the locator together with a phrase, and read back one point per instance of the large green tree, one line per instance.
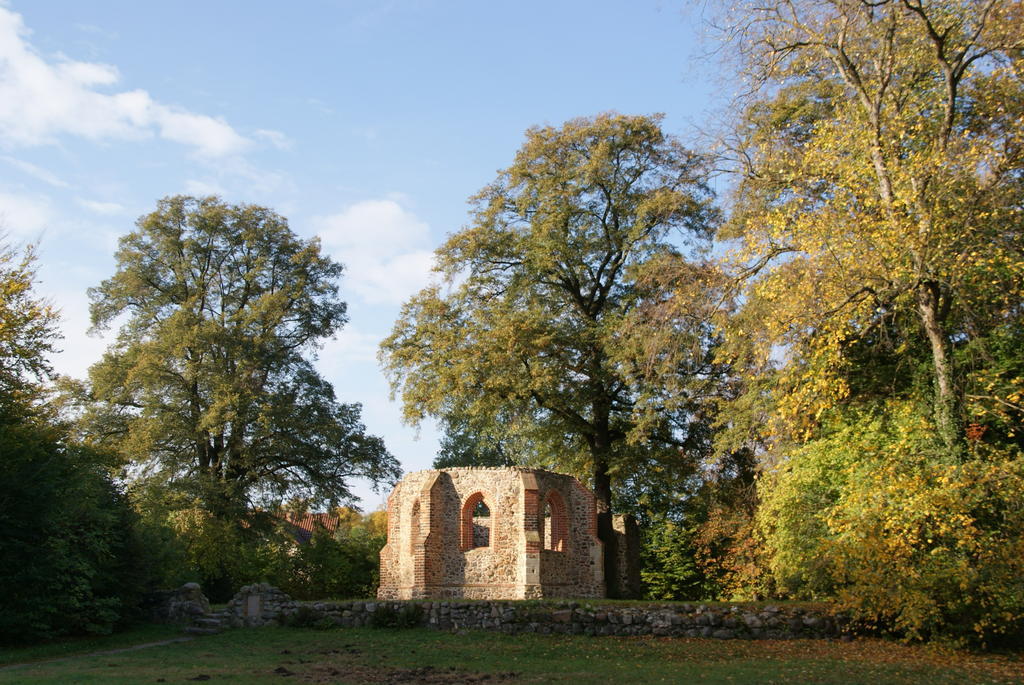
(880, 202)
(209, 385)
(526, 333)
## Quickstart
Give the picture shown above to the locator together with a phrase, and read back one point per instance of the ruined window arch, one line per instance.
(554, 522)
(477, 522)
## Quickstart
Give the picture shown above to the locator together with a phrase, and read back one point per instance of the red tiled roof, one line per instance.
(304, 526)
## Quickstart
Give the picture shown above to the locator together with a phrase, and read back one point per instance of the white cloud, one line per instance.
(105, 208)
(212, 137)
(275, 138)
(42, 100)
(87, 73)
(385, 248)
(36, 172)
(24, 216)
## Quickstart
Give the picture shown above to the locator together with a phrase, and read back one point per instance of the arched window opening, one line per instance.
(553, 523)
(481, 525)
(476, 523)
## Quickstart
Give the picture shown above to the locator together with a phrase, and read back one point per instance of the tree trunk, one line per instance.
(602, 484)
(599, 449)
(600, 443)
(606, 529)
(948, 418)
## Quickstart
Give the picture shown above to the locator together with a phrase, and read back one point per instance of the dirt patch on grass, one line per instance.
(323, 673)
(346, 663)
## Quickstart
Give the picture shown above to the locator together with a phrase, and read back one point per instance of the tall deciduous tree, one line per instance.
(881, 196)
(527, 333)
(209, 384)
(27, 327)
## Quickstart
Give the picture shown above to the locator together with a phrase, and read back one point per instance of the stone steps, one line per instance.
(207, 624)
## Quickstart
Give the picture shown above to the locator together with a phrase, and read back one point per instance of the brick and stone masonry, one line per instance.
(261, 604)
(491, 533)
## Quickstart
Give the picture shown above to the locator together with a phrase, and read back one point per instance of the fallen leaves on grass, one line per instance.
(861, 651)
(327, 673)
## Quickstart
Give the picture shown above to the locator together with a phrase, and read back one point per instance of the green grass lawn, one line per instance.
(283, 655)
(82, 645)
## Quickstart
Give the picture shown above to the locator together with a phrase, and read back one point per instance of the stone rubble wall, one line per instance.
(180, 605)
(769, 622)
(259, 605)
(474, 573)
(589, 618)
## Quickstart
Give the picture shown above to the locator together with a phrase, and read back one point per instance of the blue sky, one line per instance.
(366, 123)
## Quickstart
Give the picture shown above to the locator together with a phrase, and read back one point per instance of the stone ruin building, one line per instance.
(491, 533)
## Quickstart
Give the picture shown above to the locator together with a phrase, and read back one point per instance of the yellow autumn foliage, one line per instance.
(902, 539)
(879, 192)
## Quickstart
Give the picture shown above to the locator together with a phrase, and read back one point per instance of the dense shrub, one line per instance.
(730, 554)
(704, 544)
(70, 555)
(222, 555)
(669, 569)
(873, 515)
(191, 544)
(345, 565)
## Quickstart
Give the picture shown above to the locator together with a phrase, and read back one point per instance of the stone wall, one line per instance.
(257, 605)
(435, 549)
(261, 604)
(181, 605)
(694, 620)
